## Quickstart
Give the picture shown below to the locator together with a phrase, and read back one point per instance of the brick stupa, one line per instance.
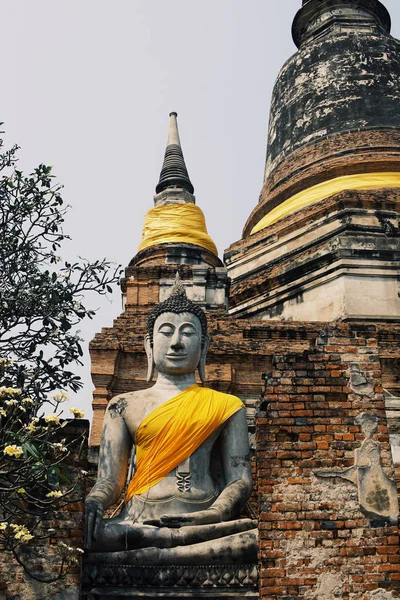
(307, 335)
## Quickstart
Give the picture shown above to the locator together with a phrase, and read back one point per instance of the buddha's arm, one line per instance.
(237, 468)
(115, 449)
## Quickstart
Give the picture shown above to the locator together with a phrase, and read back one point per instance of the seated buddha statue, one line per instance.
(192, 467)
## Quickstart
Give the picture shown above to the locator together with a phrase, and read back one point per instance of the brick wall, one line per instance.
(314, 539)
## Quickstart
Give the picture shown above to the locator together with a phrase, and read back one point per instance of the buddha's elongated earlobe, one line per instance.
(150, 360)
(202, 362)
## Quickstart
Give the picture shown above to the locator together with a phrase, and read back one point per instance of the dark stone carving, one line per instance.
(175, 581)
(183, 481)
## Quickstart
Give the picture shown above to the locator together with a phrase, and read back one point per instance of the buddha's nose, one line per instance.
(176, 341)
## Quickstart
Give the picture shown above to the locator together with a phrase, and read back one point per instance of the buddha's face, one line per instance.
(177, 343)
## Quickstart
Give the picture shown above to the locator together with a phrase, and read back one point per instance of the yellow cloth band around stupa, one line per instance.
(316, 193)
(178, 223)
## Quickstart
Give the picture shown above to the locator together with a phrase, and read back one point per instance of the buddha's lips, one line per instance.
(176, 356)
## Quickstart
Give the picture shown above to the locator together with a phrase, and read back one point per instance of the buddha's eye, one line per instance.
(189, 332)
(167, 331)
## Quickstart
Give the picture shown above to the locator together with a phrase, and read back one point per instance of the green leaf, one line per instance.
(30, 450)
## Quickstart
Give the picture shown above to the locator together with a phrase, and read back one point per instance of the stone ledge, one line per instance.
(193, 593)
(203, 581)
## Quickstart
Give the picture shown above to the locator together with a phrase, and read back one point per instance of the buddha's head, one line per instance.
(176, 342)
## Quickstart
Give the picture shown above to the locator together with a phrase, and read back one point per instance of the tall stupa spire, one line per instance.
(174, 172)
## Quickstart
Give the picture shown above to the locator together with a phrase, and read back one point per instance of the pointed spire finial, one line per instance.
(173, 133)
(174, 172)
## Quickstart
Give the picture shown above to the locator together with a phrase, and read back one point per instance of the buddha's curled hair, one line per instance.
(177, 303)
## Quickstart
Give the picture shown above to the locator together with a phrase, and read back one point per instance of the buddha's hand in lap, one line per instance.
(202, 517)
(94, 512)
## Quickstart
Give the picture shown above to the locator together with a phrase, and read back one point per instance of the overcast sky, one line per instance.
(87, 86)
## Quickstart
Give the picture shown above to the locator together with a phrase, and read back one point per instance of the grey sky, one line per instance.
(88, 85)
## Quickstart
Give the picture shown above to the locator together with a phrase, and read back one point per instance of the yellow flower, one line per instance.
(3, 526)
(6, 362)
(13, 450)
(53, 418)
(56, 494)
(3, 412)
(10, 402)
(12, 391)
(77, 412)
(27, 400)
(21, 533)
(21, 490)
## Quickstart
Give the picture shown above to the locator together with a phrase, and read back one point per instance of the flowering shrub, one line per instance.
(34, 477)
(42, 301)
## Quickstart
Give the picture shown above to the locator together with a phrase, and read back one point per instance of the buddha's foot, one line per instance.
(238, 548)
(116, 535)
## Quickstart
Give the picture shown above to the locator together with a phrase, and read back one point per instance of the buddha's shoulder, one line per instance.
(228, 397)
(126, 400)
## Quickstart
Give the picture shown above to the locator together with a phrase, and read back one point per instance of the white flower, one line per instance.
(60, 396)
(60, 447)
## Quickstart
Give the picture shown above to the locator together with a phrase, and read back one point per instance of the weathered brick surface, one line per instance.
(313, 536)
(15, 584)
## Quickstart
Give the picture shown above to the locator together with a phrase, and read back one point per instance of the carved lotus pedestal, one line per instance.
(102, 581)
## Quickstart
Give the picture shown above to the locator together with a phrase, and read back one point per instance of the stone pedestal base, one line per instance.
(102, 582)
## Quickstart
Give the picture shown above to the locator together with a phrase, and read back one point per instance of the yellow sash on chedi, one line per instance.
(316, 193)
(176, 223)
(174, 430)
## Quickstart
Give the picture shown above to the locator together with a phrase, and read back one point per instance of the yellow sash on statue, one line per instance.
(174, 430)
